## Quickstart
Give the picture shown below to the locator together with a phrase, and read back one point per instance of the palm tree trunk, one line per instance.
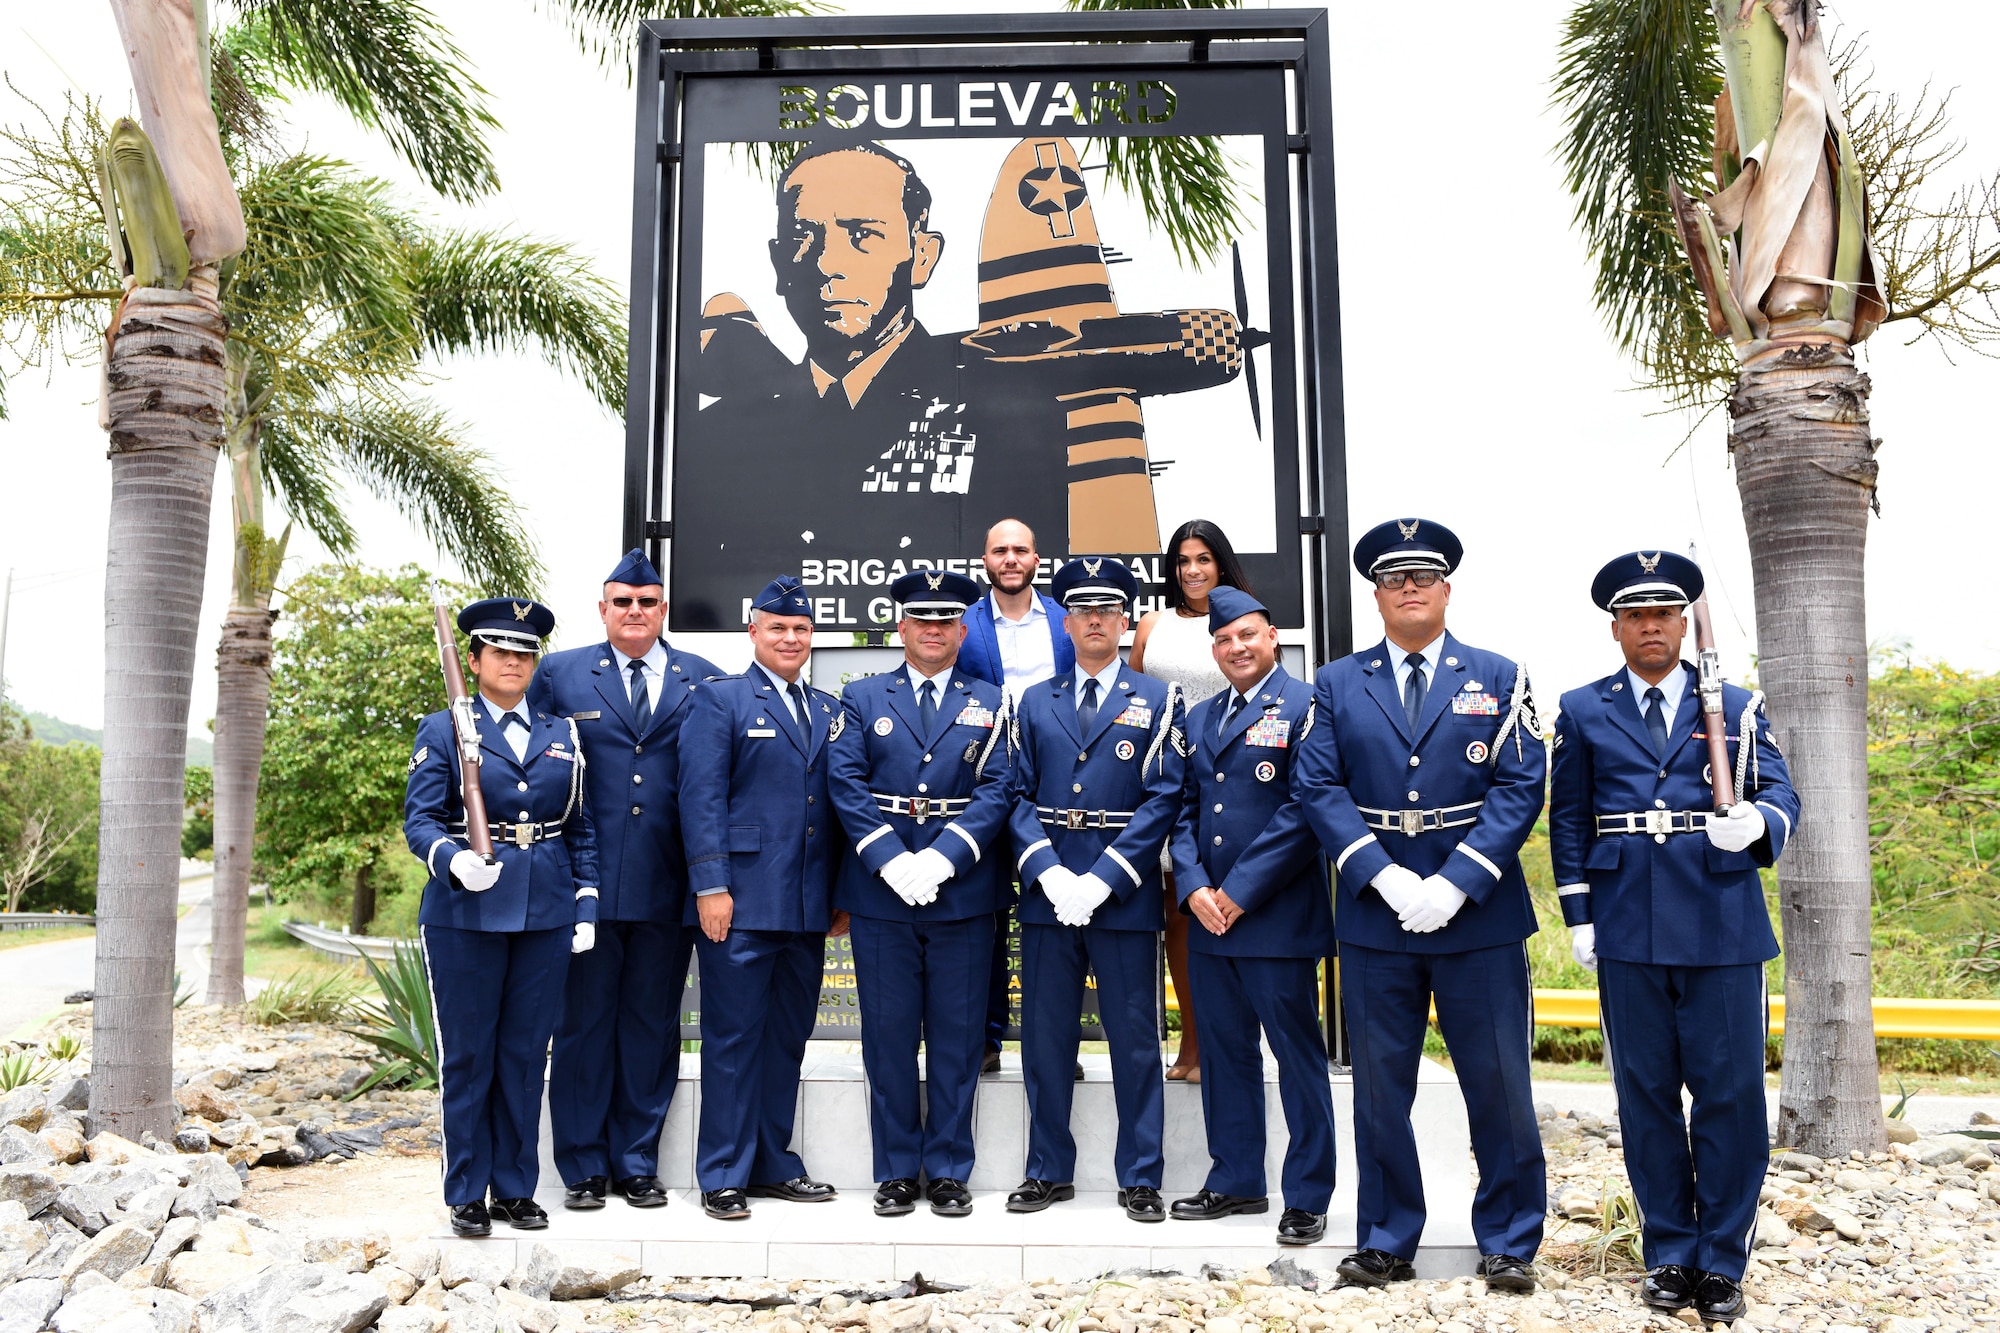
(242, 707)
(1805, 468)
(164, 404)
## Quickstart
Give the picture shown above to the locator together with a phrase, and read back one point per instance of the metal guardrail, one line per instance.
(341, 945)
(1959, 1020)
(43, 920)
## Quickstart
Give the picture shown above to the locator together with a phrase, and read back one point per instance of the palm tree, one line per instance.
(1754, 298)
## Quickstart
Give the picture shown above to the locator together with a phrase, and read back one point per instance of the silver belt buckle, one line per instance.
(524, 835)
(920, 808)
(1412, 822)
(1659, 821)
(1076, 819)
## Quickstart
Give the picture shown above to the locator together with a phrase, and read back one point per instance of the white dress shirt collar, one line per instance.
(917, 679)
(1107, 682)
(1673, 688)
(1433, 655)
(517, 738)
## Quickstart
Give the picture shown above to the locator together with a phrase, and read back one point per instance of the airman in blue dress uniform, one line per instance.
(1663, 899)
(763, 846)
(1097, 788)
(919, 775)
(497, 936)
(617, 1048)
(1423, 775)
(1249, 871)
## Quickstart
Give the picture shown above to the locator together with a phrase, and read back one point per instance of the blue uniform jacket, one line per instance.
(754, 810)
(632, 782)
(541, 885)
(1131, 763)
(979, 655)
(881, 748)
(1679, 900)
(1243, 829)
(1477, 740)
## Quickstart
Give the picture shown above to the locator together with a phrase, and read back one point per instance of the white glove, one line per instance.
(1437, 902)
(586, 937)
(1583, 945)
(1399, 886)
(1086, 896)
(473, 871)
(1058, 886)
(932, 870)
(1743, 827)
(899, 872)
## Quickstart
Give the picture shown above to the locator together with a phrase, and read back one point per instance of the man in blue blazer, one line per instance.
(919, 775)
(1014, 636)
(1097, 787)
(1662, 898)
(1423, 775)
(617, 1047)
(497, 934)
(1249, 871)
(763, 847)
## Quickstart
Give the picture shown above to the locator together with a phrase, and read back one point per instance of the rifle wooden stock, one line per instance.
(465, 731)
(1713, 724)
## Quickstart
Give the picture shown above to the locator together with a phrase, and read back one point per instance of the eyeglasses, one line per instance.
(645, 603)
(1392, 580)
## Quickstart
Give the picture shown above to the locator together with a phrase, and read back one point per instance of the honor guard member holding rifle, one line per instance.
(763, 844)
(1423, 775)
(497, 932)
(1661, 894)
(1249, 871)
(617, 1048)
(1097, 788)
(919, 776)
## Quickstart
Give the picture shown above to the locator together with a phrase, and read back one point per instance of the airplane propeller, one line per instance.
(1248, 338)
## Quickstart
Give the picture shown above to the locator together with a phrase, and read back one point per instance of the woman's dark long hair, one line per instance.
(1226, 563)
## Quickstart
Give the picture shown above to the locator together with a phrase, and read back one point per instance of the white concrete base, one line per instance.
(1082, 1238)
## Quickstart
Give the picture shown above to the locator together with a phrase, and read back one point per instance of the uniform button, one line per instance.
(1218, 840)
(1218, 777)
(809, 769)
(809, 800)
(1085, 755)
(1218, 807)
(1663, 772)
(809, 830)
(523, 816)
(1659, 837)
(927, 759)
(638, 749)
(1413, 796)
(638, 778)
(1659, 805)
(635, 809)
(520, 786)
(921, 786)
(1414, 761)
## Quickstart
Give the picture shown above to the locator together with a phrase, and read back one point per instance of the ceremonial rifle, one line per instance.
(1708, 686)
(466, 731)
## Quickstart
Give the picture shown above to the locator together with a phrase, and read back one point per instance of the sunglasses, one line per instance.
(1393, 579)
(645, 603)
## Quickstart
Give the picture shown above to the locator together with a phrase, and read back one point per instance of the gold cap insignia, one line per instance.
(1649, 563)
(520, 612)
(1409, 529)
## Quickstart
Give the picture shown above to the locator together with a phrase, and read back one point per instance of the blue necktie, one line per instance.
(927, 706)
(800, 715)
(1229, 715)
(1656, 720)
(1413, 690)
(642, 699)
(1086, 712)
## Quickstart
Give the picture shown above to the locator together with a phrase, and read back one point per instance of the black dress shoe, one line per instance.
(585, 1194)
(642, 1191)
(991, 1064)
(1035, 1195)
(520, 1214)
(1374, 1268)
(1142, 1203)
(799, 1189)
(950, 1198)
(1079, 1071)
(1207, 1205)
(1503, 1272)
(1296, 1226)
(1719, 1300)
(1669, 1287)
(470, 1219)
(727, 1205)
(895, 1197)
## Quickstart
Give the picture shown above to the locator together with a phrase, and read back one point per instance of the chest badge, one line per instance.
(972, 752)
(1266, 771)
(1476, 753)
(1124, 750)
(883, 726)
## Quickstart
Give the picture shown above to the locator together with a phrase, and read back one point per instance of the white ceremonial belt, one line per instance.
(1084, 819)
(921, 808)
(521, 835)
(1412, 822)
(1658, 823)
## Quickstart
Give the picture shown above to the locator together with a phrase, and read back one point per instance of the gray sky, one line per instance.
(1481, 389)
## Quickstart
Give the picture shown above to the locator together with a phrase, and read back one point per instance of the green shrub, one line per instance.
(403, 1027)
(307, 995)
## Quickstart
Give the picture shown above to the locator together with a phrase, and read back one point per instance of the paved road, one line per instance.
(39, 975)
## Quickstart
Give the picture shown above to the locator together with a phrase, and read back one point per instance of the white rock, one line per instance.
(343, 1252)
(217, 1176)
(295, 1298)
(151, 1207)
(200, 1275)
(900, 1316)
(553, 1273)
(530, 1316)
(1898, 1323)
(114, 1251)
(195, 1201)
(26, 1305)
(172, 1312)
(418, 1258)
(409, 1319)
(26, 1106)
(106, 1308)
(225, 1234)
(174, 1237)
(400, 1285)
(30, 1186)
(24, 1146)
(1772, 1232)
(1964, 1202)
(1853, 1181)
(462, 1262)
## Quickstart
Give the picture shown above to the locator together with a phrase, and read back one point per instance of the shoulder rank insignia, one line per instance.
(417, 759)
(839, 725)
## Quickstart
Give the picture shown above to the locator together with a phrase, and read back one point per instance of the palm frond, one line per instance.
(606, 28)
(299, 470)
(409, 455)
(1185, 184)
(391, 66)
(485, 291)
(1636, 81)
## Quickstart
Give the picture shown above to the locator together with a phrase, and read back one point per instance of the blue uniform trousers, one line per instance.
(617, 1053)
(998, 976)
(1232, 997)
(1484, 1009)
(759, 999)
(922, 981)
(1696, 1179)
(494, 995)
(1126, 963)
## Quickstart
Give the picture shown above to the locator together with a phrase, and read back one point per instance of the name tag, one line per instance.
(1478, 705)
(1271, 732)
(760, 733)
(970, 716)
(591, 716)
(1135, 715)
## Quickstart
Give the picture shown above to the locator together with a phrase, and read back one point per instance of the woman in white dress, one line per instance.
(1175, 645)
